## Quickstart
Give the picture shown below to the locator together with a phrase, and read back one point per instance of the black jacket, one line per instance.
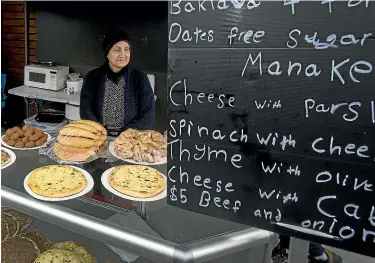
(139, 98)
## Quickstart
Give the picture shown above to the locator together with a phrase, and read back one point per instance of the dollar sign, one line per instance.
(173, 196)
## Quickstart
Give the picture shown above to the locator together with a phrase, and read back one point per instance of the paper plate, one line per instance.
(112, 151)
(25, 149)
(105, 177)
(12, 157)
(90, 185)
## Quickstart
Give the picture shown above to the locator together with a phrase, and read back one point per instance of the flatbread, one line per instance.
(77, 249)
(23, 220)
(58, 256)
(57, 181)
(4, 229)
(40, 240)
(19, 250)
(77, 132)
(73, 154)
(96, 125)
(78, 142)
(84, 127)
(13, 225)
(5, 158)
(137, 180)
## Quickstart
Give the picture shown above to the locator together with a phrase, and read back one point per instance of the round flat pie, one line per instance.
(137, 180)
(18, 249)
(4, 229)
(57, 181)
(40, 240)
(83, 253)
(23, 220)
(5, 158)
(58, 256)
(13, 225)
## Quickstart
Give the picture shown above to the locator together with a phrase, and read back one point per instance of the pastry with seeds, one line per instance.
(13, 225)
(58, 256)
(40, 240)
(19, 250)
(23, 220)
(77, 249)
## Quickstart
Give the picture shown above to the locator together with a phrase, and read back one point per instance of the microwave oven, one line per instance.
(46, 77)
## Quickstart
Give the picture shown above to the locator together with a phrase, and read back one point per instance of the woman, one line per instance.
(117, 95)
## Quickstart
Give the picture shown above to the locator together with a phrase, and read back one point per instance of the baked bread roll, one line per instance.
(78, 142)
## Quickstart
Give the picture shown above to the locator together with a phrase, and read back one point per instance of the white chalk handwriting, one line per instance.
(344, 180)
(221, 100)
(331, 41)
(321, 146)
(177, 7)
(351, 113)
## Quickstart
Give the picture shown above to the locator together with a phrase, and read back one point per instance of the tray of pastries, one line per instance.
(78, 142)
(25, 138)
(140, 147)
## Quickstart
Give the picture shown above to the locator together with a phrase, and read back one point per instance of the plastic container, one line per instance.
(48, 127)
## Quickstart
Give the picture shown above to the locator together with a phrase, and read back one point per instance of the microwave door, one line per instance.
(36, 79)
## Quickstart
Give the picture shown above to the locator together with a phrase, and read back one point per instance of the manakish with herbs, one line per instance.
(57, 181)
(137, 180)
(5, 158)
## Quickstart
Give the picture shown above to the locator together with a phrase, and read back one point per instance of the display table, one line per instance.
(183, 236)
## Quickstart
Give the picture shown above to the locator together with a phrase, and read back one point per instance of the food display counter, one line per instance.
(115, 229)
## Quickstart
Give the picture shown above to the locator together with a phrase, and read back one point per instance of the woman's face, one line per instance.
(119, 55)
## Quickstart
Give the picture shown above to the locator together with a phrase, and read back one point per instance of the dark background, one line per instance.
(71, 33)
(215, 68)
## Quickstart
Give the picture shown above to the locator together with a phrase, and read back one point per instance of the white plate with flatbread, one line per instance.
(112, 151)
(87, 189)
(106, 184)
(26, 149)
(11, 160)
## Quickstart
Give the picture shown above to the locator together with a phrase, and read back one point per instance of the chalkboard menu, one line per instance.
(272, 116)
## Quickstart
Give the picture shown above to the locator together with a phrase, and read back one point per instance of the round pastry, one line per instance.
(25, 128)
(39, 142)
(57, 255)
(11, 143)
(28, 133)
(14, 137)
(23, 220)
(6, 138)
(57, 181)
(42, 242)
(19, 249)
(19, 144)
(137, 180)
(77, 249)
(9, 132)
(29, 144)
